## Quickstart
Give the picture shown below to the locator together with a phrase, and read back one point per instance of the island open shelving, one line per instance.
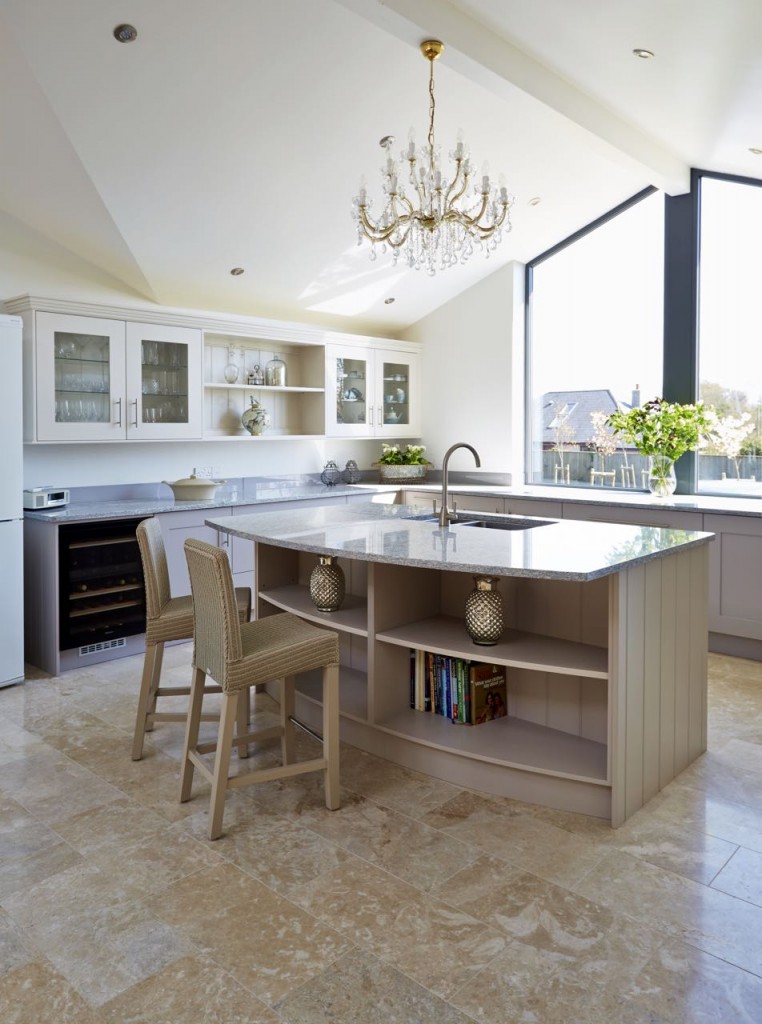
(606, 672)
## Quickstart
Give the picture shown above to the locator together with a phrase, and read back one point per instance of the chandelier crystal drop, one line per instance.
(431, 221)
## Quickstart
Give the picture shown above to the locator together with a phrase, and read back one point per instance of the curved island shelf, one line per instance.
(605, 654)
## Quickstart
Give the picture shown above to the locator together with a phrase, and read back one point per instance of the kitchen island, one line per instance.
(605, 650)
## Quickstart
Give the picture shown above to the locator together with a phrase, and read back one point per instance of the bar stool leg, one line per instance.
(155, 680)
(287, 709)
(147, 699)
(331, 736)
(191, 732)
(222, 763)
(243, 722)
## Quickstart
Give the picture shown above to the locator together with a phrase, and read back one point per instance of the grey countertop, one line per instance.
(612, 497)
(255, 492)
(124, 508)
(370, 532)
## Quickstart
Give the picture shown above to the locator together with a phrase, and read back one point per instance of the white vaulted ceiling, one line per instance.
(235, 132)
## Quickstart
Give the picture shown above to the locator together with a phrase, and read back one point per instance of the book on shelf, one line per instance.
(489, 693)
(467, 692)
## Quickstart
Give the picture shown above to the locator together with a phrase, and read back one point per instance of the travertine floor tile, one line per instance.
(15, 952)
(190, 991)
(687, 986)
(684, 851)
(525, 984)
(521, 839)
(37, 993)
(742, 877)
(360, 989)
(434, 943)
(711, 920)
(268, 944)
(93, 931)
(548, 917)
(18, 874)
(403, 846)
(53, 787)
(279, 852)
(389, 784)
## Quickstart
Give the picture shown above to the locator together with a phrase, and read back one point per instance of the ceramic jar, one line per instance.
(256, 418)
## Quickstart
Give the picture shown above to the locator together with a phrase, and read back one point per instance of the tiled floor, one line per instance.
(416, 903)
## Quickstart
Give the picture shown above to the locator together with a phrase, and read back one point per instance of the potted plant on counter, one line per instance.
(664, 431)
(401, 465)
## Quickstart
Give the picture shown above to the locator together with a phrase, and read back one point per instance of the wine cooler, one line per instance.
(102, 594)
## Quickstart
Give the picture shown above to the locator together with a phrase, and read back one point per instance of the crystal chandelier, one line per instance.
(439, 221)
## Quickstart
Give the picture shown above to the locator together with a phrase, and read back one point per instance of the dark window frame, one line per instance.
(682, 246)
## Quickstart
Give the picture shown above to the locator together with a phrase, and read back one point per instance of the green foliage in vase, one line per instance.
(662, 428)
(412, 455)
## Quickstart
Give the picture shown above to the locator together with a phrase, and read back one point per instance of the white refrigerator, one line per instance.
(11, 511)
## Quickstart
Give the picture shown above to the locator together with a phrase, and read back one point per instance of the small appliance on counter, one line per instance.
(46, 497)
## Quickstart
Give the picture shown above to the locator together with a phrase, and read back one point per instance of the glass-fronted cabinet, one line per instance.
(164, 391)
(102, 380)
(80, 378)
(371, 392)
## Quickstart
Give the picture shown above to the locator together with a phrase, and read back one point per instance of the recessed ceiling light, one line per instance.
(535, 200)
(125, 33)
(236, 271)
(755, 151)
(389, 301)
(643, 54)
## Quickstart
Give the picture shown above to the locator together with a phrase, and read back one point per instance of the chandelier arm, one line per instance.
(375, 233)
(464, 178)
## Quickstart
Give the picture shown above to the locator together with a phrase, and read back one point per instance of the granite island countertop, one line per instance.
(544, 549)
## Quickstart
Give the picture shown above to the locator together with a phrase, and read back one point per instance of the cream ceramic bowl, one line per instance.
(193, 488)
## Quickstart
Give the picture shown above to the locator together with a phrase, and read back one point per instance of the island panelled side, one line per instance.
(606, 678)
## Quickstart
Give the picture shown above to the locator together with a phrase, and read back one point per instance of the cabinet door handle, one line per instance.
(370, 415)
(135, 403)
(118, 402)
(380, 416)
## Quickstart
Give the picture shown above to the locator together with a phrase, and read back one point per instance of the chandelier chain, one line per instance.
(432, 105)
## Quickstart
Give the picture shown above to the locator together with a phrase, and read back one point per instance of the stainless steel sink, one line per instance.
(466, 519)
(505, 524)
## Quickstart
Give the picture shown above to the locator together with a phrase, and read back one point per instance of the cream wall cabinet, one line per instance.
(103, 373)
(101, 379)
(371, 392)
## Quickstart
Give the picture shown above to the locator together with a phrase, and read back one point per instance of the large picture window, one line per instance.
(730, 353)
(596, 344)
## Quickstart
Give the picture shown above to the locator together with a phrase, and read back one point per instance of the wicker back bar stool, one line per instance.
(167, 618)
(271, 649)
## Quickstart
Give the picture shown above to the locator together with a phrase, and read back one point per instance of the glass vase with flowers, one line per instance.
(663, 431)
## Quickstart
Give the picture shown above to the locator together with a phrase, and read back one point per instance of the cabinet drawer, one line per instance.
(534, 507)
(668, 518)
